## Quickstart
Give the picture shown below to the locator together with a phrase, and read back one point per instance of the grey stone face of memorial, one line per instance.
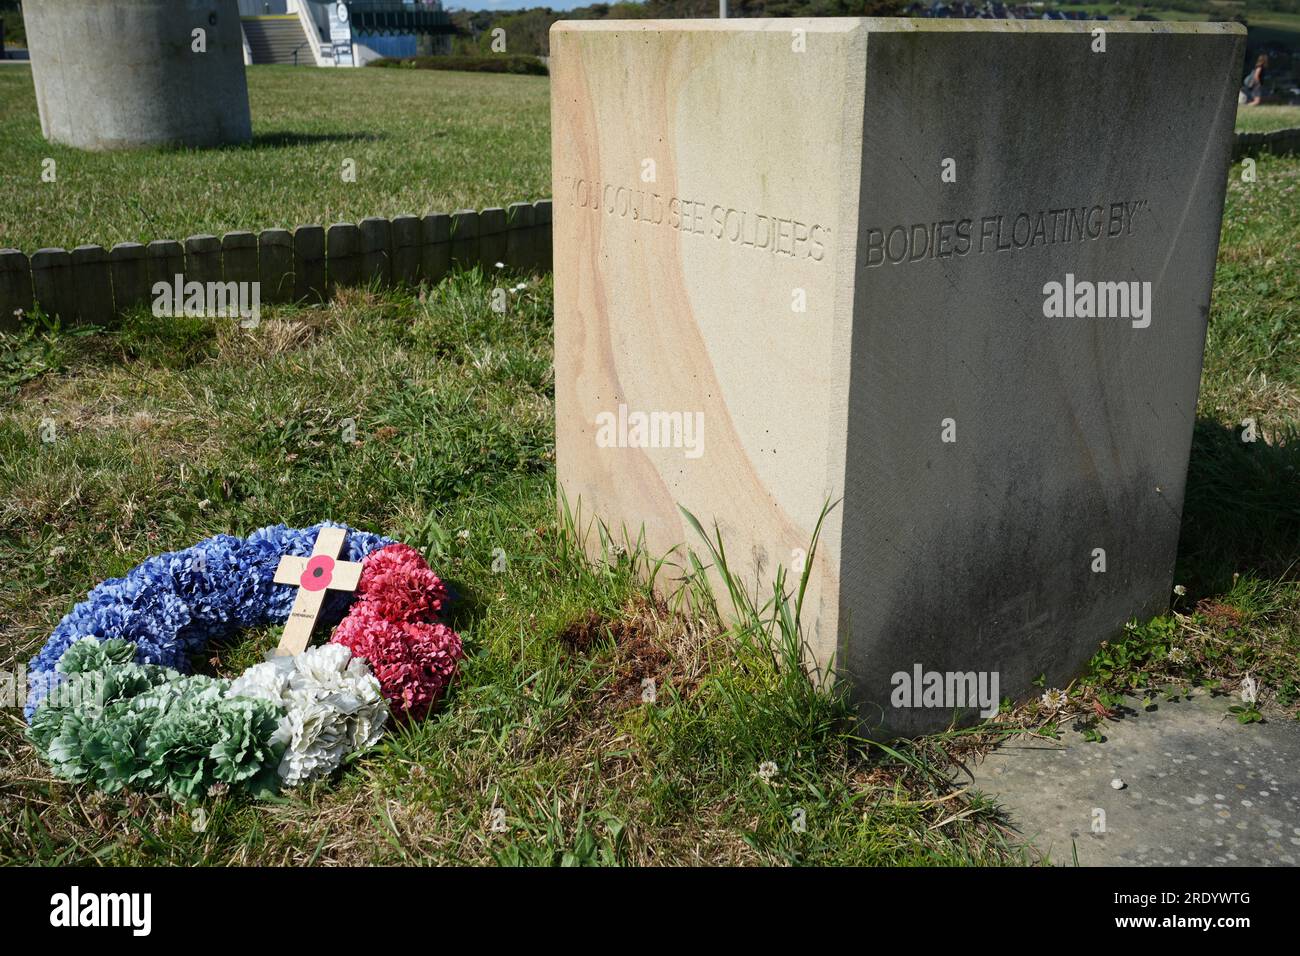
(122, 74)
(952, 275)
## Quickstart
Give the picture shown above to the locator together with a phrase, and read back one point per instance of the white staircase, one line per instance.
(276, 39)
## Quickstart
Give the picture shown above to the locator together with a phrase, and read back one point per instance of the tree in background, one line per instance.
(11, 12)
(528, 31)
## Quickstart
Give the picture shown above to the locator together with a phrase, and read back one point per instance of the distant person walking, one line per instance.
(1252, 88)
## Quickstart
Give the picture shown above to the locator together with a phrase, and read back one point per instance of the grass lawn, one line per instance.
(170, 430)
(167, 434)
(423, 141)
(1263, 26)
(1265, 119)
(1273, 26)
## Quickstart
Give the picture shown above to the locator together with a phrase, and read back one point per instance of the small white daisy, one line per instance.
(1249, 690)
(1055, 699)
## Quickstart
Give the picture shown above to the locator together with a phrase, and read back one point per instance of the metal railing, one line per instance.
(394, 16)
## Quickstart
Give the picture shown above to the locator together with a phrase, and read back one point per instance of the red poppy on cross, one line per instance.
(314, 576)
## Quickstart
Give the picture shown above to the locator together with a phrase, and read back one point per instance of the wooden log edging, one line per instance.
(307, 264)
(1280, 142)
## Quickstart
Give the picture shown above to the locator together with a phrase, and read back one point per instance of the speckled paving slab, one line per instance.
(1199, 789)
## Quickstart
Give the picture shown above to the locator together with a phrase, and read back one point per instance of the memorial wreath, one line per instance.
(111, 702)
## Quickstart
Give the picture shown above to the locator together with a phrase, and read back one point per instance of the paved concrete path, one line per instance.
(1200, 789)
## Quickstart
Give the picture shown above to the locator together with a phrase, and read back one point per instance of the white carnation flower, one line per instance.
(263, 682)
(332, 702)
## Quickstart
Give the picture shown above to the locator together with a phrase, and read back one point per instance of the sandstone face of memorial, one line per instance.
(122, 74)
(953, 275)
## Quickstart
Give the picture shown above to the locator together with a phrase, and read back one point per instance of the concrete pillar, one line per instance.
(118, 74)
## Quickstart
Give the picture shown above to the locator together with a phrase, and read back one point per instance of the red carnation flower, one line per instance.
(414, 662)
(399, 581)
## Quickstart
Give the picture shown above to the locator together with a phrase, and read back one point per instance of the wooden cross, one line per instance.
(313, 576)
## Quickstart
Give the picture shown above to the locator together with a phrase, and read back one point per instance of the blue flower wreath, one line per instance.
(172, 605)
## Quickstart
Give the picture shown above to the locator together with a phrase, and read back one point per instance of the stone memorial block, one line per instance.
(952, 276)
